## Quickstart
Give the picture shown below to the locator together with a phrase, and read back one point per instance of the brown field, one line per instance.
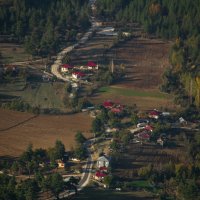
(137, 156)
(144, 61)
(17, 130)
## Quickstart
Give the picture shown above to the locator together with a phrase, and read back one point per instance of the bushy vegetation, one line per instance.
(20, 106)
(37, 166)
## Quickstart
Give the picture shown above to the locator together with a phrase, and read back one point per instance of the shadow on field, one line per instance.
(109, 194)
(6, 97)
(18, 124)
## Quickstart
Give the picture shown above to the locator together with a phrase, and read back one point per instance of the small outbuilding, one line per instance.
(103, 161)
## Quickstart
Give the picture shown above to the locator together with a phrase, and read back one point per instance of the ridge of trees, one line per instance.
(43, 25)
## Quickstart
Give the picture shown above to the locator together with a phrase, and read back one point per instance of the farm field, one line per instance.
(144, 99)
(93, 50)
(144, 61)
(17, 130)
(137, 156)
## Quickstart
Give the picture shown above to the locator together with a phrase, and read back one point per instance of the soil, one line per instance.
(18, 130)
(144, 60)
(137, 156)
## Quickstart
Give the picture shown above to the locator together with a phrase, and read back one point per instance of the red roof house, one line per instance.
(116, 110)
(92, 65)
(100, 175)
(143, 136)
(154, 114)
(108, 104)
(66, 67)
(78, 75)
(149, 128)
(103, 169)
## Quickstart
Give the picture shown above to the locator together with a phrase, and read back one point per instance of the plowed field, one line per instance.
(17, 130)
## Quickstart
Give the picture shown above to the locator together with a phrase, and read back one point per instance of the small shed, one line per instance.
(103, 161)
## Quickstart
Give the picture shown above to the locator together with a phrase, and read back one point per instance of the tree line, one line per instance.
(43, 25)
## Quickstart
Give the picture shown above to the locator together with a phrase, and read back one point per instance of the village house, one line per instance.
(116, 108)
(60, 163)
(66, 68)
(103, 169)
(108, 104)
(160, 141)
(78, 75)
(11, 69)
(92, 66)
(103, 161)
(143, 136)
(154, 114)
(99, 176)
(149, 128)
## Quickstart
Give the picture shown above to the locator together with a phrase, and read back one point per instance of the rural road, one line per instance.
(55, 70)
(55, 66)
(88, 168)
(87, 172)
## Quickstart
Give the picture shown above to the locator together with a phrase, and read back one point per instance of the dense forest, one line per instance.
(43, 25)
(178, 20)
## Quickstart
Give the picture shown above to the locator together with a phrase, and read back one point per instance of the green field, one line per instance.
(133, 92)
(45, 95)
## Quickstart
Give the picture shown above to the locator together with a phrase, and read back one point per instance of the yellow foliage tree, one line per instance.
(198, 90)
(154, 9)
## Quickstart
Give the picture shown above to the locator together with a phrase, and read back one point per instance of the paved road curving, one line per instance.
(86, 174)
